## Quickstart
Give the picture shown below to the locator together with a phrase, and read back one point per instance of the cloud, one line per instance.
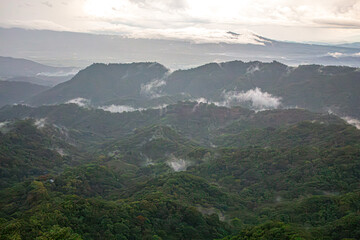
(3, 124)
(352, 121)
(202, 100)
(173, 4)
(124, 108)
(152, 89)
(81, 102)
(119, 108)
(259, 100)
(340, 55)
(61, 152)
(186, 19)
(59, 73)
(177, 164)
(252, 69)
(339, 23)
(202, 35)
(335, 54)
(40, 123)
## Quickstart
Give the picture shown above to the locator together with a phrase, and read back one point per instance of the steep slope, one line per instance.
(18, 92)
(314, 87)
(249, 84)
(211, 79)
(285, 173)
(102, 83)
(28, 149)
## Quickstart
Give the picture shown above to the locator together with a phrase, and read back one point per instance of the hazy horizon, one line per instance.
(334, 21)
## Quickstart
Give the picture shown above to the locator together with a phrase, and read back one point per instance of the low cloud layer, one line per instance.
(59, 73)
(353, 121)
(340, 55)
(255, 97)
(3, 124)
(252, 69)
(203, 35)
(81, 102)
(119, 108)
(40, 123)
(177, 164)
(124, 108)
(153, 89)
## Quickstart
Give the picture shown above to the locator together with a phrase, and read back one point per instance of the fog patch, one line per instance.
(198, 102)
(317, 121)
(118, 108)
(62, 130)
(148, 161)
(4, 127)
(59, 73)
(81, 102)
(153, 89)
(335, 54)
(40, 123)
(64, 134)
(352, 121)
(340, 55)
(162, 106)
(210, 211)
(61, 152)
(124, 108)
(177, 164)
(259, 100)
(202, 100)
(252, 69)
(202, 35)
(3, 124)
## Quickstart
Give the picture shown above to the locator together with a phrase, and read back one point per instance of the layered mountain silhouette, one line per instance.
(251, 84)
(23, 70)
(180, 50)
(18, 92)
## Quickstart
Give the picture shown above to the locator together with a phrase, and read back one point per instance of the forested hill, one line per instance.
(18, 92)
(186, 171)
(271, 85)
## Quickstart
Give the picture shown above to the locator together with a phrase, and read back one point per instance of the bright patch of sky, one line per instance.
(320, 20)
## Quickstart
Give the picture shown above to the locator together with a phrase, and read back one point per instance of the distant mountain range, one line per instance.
(80, 49)
(255, 85)
(138, 151)
(190, 170)
(18, 92)
(23, 70)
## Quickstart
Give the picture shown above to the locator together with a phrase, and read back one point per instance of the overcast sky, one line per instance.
(292, 20)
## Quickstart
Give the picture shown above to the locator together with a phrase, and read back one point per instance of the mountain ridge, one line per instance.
(251, 84)
(173, 53)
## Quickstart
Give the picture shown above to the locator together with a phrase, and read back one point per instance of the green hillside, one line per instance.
(189, 171)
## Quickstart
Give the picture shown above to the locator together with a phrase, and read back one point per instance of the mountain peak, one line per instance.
(204, 35)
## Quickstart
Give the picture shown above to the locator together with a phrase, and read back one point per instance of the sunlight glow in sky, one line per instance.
(293, 20)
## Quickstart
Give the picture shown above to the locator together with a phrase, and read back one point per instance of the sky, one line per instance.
(332, 21)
